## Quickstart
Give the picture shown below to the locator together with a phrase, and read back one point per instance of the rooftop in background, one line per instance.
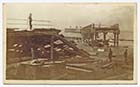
(100, 26)
(72, 30)
(91, 28)
(72, 35)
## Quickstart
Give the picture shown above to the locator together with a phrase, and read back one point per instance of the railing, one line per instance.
(25, 22)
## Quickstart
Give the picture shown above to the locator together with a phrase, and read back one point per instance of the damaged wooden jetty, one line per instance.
(45, 54)
(40, 43)
(27, 48)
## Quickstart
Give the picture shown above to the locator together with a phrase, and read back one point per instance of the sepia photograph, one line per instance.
(69, 43)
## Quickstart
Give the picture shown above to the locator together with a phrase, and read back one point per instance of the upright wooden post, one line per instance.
(114, 39)
(52, 46)
(93, 39)
(105, 36)
(33, 49)
(32, 53)
(96, 35)
(92, 34)
(117, 39)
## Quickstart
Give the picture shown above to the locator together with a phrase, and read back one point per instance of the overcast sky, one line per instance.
(65, 15)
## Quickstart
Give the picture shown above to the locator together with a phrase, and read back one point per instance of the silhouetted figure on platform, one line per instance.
(30, 21)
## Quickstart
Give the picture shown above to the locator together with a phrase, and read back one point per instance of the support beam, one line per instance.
(117, 39)
(104, 35)
(77, 50)
(93, 36)
(114, 39)
(32, 53)
(96, 35)
(52, 46)
(32, 49)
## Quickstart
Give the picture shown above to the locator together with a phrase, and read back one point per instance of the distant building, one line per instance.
(72, 34)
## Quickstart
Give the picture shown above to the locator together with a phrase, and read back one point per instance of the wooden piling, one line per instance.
(117, 39)
(114, 39)
(52, 46)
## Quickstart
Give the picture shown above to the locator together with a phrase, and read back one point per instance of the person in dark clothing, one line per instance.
(30, 21)
(125, 56)
(110, 55)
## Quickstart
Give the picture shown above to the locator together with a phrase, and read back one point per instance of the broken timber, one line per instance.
(77, 50)
(79, 68)
(31, 41)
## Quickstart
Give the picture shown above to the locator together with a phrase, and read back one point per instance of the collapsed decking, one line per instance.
(38, 51)
(40, 43)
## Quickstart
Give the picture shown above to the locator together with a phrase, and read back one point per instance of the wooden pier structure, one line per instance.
(90, 33)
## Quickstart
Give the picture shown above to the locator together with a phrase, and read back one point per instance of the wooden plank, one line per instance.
(77, 50)
(78, 68)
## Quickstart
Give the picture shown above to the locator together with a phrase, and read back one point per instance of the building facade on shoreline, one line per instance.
(73, 34)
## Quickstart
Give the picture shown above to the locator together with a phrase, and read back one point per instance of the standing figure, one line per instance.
(110, 55)
(30, 21)
(125, 55)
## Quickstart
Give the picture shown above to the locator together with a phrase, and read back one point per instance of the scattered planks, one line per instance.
(79, 68)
